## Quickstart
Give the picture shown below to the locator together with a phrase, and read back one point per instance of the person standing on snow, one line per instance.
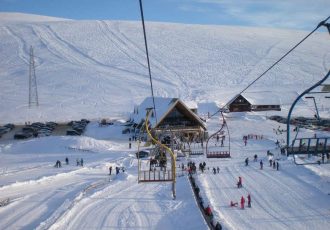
(110, 169)
(249, 200)
(242, 202)
(246, 161)
(261, 164)
(277, 165)
(239, 183)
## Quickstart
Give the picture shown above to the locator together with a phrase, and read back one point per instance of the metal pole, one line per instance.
(317, 111)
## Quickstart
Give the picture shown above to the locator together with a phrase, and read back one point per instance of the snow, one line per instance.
(97, 69)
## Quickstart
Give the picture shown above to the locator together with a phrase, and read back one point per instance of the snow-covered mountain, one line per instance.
(94, 69)
(97, 69)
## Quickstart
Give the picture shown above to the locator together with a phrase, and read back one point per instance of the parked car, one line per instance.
(22, 135)
(71, 132)
(142, 153)
(10, 126)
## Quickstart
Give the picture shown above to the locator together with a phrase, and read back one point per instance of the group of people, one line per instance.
(58, 163)
(80, 162)
(216, 170)
(117, 169)
(273, 163)
(235, 204)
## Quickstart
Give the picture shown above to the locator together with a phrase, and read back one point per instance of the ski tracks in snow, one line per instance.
(134, 52)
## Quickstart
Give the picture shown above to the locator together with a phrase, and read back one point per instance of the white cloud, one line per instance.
(296, 14)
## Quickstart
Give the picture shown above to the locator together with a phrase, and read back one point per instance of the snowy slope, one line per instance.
(96, 69)
(100, 66)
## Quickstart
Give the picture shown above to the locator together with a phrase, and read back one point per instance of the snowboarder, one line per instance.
(249, 200)
(110, 169)
(242, 202)
(67, 160)
(261, 164)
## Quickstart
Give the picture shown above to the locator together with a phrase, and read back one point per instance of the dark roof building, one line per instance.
(171, 114)
(254, 101)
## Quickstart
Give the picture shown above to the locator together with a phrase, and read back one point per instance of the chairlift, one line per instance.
(160, 165)
(311, 146)
(218, 144)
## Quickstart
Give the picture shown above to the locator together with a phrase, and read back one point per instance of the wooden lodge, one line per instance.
(259, 101)
(172, 115)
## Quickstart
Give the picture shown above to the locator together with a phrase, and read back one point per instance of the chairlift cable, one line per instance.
(147, 53)
(318, 26)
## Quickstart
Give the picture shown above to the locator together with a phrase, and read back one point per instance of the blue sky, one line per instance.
(291, 14)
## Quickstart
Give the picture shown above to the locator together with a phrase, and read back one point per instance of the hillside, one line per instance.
(96, 69)
(100, 66)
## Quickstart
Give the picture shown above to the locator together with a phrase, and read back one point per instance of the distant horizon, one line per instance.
(321, 30)
(292, 14)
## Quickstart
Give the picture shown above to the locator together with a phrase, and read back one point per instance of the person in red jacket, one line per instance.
(249, 200)
(208, 211)
(242, 202)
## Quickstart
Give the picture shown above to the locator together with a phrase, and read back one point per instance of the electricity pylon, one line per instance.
(33, 90)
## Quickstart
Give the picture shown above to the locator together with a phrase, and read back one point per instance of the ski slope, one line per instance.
(97, 69)
(192, 62)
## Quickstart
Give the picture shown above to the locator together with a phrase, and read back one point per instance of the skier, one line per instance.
(78, 163)
(214, 171)
(242, 202)
(81, 162)
(110, 169)
(247, 161)
(255, 157)
(274, 164)
(67, 160)
(239, 183)
(277, 165)
(218, 169)
(261, 164)
(249, 200)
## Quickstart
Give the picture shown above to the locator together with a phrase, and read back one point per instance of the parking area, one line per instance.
(38, 129)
